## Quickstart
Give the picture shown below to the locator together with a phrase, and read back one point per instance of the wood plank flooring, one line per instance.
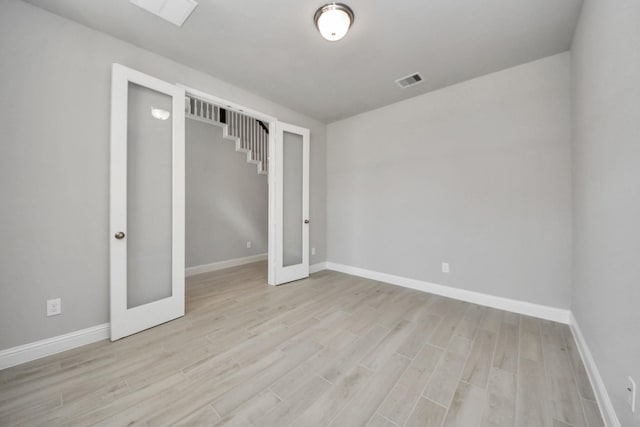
(331, 350)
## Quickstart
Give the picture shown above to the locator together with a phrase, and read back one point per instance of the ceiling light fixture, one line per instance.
(333, 20)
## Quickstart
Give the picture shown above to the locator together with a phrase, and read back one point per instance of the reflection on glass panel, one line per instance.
(292, 199)
(149, 197)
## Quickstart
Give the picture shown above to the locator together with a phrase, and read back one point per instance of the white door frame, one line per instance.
(275, 159)
(126, 321)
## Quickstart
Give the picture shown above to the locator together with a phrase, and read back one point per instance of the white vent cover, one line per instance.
(174, 11)
(410, 80)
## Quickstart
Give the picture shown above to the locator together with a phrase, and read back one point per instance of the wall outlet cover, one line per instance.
(313, 251)
(445, 267)
(249, 245)
(54, 307)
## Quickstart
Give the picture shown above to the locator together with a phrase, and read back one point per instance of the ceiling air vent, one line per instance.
(174, 11)
(410, 80)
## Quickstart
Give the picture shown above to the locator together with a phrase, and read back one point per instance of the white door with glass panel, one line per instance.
(147, 202)
(289, 204)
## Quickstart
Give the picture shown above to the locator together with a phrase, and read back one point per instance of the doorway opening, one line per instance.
(226, 191)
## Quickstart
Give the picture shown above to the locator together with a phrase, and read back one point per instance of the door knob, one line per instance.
(119, 235)
(306, 221)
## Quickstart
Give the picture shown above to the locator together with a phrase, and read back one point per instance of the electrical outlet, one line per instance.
(249, 244)
(313, 251)
(445, 267)
(631, 394)
(54, 307)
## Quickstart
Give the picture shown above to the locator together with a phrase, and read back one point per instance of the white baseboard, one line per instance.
(602, 396)
(317, 267)
(206, 268)
(516, 306)
(47, 347)
(35, 350)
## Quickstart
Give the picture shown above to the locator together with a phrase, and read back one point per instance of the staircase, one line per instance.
(250, 135)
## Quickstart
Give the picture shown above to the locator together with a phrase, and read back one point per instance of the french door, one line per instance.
(289, 204)
(147, 202)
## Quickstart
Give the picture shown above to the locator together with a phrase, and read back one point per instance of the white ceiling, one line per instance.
(273, 49)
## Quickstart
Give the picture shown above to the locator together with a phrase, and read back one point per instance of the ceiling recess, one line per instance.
(174, 11)
(410, 80)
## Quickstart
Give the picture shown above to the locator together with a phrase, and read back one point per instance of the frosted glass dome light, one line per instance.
(333, 20)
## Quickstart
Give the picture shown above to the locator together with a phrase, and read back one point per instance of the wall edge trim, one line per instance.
(597, 384)
(517, 306)
(49, 346)
(314, 268)
(215, 266)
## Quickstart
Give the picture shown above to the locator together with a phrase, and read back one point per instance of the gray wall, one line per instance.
(606, 202)
(476, 174)
(54, 166)
(226, 199)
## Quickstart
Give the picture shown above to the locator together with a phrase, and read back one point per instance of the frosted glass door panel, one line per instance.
(293, 221)
(289, 204)
(149, 196)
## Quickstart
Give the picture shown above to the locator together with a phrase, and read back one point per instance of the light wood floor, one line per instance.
(330, 350)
